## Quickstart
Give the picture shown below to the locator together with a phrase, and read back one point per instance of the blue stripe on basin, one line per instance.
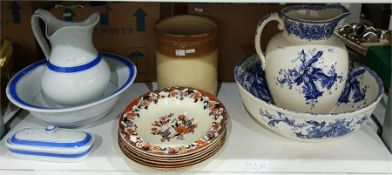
(14, 81)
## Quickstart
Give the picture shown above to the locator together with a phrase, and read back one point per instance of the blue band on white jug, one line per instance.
(83, 67)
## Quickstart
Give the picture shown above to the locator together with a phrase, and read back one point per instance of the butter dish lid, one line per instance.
(50, 142)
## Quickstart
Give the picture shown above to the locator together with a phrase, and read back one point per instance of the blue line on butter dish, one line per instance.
(58, 155)
(81, 143)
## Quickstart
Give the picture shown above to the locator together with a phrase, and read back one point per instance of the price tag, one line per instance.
(183, 52)
(200, 10)
(67, 14)
(188, 51)
(180, 52)
(254, 166)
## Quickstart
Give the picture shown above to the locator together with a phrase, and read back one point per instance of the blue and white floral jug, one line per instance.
(75, 72)
(306, 66)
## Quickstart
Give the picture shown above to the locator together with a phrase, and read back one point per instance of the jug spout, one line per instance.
(313, 22)
(57, 30)
(53, 24)
(338, 12)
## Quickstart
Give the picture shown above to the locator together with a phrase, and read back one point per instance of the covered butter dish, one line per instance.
(50, 144)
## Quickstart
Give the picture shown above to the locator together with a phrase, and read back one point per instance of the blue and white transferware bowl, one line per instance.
(24, 90)
(361, 94)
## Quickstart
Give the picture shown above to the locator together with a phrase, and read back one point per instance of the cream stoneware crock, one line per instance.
(305, 65)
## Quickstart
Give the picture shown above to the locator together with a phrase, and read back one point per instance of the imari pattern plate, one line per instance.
(173, 158)
(173, 121)
(174, 163)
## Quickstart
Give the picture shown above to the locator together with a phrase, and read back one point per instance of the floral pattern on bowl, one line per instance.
(362, 92)
(249, 76)
(174, 133)
(169, 127)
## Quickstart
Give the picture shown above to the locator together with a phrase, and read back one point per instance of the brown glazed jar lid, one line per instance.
(186, 35)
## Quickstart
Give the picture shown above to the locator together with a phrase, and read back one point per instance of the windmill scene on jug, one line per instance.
(312, 79)
(353, 87)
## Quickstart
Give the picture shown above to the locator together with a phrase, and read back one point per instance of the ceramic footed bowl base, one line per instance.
(84, 123)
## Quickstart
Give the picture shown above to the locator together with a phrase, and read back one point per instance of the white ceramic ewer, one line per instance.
(305, 65)
(75, 72)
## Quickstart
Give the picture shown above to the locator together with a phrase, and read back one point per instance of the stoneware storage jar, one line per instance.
(306, 66)
(187, 53)
(75, 72)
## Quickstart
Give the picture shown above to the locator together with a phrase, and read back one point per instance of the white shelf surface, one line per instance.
(249, 148)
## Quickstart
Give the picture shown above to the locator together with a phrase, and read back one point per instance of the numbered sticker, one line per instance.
(254, 166)
(180, 52)
(188, 51)
(197, 9)
(183, 52)
(67, 14)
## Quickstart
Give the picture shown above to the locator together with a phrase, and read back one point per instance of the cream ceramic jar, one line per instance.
(187, 53)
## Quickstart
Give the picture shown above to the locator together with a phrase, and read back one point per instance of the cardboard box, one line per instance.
(237, 28)
(119, 33)
(126, 29)
(16, 27)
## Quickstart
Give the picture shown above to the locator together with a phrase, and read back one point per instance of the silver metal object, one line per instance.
(364, 33)
(345, 30)
(387, 128)
(360, 30)
(386, 35)
(369, 37)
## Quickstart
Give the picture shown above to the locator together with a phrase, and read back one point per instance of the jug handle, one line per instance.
(37, 15)
(260, 26)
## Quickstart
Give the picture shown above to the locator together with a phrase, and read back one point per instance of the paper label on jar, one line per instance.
(200, 10)
(190, 51)
(180, 52)
(183, 52)
(67, 14)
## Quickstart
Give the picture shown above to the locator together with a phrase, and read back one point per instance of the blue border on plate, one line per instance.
(87, 139)
(74, 69)
(25, 71)
(44, 154)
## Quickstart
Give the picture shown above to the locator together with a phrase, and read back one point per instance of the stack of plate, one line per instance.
(172, 128)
